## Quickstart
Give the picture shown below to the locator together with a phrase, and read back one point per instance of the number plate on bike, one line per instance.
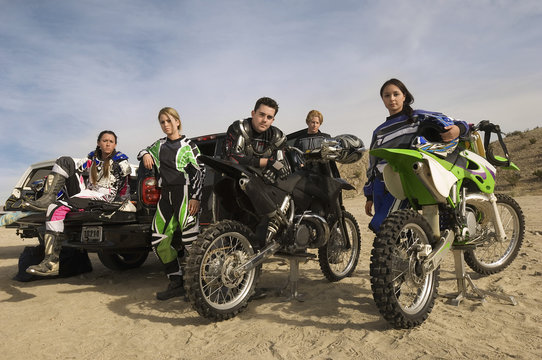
(91, 234)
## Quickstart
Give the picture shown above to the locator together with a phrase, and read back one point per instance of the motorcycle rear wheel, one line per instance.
(493, 256)
(212, 287)
(338, 259)
(403, 294)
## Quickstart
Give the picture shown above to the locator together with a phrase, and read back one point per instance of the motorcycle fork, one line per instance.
(435, 254)
(276, 222)
(481, 200)
(497, 219)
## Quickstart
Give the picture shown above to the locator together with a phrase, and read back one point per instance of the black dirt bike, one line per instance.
(302, 211)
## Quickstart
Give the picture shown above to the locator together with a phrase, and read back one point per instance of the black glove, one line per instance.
(269, 176)
(278, 167)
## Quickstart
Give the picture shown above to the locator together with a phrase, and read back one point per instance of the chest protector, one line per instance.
(262, 147)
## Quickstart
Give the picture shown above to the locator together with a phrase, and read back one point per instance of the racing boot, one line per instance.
(175, 287)
(51, 262)
(53, 184)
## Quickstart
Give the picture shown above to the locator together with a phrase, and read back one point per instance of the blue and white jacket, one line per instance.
(398, 131)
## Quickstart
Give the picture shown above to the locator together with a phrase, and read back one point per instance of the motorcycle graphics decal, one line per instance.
(477, 159)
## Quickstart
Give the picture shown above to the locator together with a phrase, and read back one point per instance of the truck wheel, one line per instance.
(123, 261)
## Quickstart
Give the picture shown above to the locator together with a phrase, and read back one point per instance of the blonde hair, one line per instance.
(169, 111)
(312, 114)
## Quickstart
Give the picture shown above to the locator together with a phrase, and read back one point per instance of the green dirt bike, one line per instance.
(452, 207)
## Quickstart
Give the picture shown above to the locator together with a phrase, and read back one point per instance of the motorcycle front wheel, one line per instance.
(213, 287)
(339, 257)
(403, 294)
(491, 255)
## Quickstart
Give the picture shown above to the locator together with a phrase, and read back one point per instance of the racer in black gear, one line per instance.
(255, 142)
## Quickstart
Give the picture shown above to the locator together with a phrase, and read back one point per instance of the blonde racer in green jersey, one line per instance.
(181, 177)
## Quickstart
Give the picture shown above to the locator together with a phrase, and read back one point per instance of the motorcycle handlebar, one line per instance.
(488, 128)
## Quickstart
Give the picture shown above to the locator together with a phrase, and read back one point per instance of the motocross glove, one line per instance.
(275, 169)
(269, 176)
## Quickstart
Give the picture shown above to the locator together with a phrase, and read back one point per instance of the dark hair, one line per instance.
(107, 132)
(267, 102)
(98, 154)
(409, 98)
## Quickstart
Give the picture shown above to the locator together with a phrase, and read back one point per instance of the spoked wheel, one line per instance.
(403, 294)
(215, 289)
(339, 257)
(491, 255)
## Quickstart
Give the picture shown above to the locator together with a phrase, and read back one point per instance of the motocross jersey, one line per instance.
(114, 183)
(311, 141)
(108, 188)
(178, 163)
(246, 146)
(398, 132)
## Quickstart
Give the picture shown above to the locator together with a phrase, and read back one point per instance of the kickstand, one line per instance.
(290, 290)
(464, 280)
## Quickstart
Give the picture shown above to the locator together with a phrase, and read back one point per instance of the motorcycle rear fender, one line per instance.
(345, 185)
(227, 167)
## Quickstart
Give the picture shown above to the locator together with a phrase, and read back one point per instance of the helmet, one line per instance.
(432, 124)
(352, 148)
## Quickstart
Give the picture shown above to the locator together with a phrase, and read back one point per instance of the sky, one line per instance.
(69, 69)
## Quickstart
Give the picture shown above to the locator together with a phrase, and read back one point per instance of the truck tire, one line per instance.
(123, 261)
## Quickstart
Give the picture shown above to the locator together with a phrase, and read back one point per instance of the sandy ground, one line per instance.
(114, 315)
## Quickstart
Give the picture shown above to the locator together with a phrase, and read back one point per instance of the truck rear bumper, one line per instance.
(115, 238)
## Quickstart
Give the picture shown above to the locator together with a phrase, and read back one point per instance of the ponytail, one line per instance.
(98, 155)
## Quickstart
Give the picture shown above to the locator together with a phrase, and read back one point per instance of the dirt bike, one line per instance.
(288, 216)
(452, 207)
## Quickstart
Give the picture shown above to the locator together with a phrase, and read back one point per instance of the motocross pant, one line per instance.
(384, 204)
(57, 211)
(65, 166)
(78, 198)
(172, 214)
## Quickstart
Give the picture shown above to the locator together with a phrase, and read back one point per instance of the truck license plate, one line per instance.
(91, 234)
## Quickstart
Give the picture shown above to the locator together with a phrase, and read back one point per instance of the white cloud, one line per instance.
(71, 69)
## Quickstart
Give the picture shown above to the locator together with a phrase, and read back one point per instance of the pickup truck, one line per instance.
(120, 239)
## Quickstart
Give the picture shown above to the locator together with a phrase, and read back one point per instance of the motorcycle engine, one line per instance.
(310, 232)
(302, 236)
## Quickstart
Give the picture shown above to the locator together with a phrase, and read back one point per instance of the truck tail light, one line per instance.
(150, 193)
